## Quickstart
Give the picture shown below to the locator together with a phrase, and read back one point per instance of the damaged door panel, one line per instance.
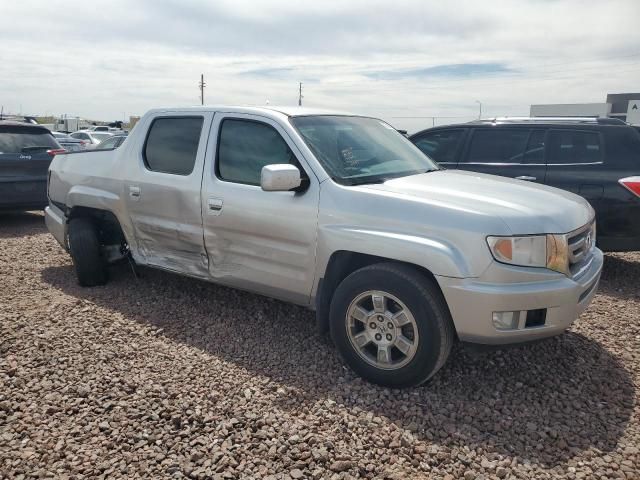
(163, 193)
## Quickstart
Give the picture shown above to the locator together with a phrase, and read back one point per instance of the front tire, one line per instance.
(84, 246)
(391, 325)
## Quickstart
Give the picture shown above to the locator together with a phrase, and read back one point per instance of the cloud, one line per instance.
(460, 70)
(391, 59)
(269, 72)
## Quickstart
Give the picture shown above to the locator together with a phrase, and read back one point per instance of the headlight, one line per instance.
(547, 251)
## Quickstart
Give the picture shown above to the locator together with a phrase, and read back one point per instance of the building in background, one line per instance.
(133, 119)
(625, 106)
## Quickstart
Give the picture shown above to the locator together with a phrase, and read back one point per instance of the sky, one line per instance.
(404, 61)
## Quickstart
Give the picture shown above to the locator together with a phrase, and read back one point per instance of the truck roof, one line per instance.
(289, 111)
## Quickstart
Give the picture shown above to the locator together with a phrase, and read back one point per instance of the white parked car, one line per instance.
(91, 138)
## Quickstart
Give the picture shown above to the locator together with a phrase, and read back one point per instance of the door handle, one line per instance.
(134, 192)
(215, 205)
(527, 178)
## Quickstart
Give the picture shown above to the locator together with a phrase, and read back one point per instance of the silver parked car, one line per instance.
(341, 214)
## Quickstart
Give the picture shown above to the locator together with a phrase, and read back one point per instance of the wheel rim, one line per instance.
(382, 330)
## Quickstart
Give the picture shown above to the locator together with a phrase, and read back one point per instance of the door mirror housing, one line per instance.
(280, 177)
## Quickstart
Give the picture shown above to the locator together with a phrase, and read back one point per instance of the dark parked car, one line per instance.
(598, 159)
(26, 150)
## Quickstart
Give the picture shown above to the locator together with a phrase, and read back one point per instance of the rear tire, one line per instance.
(391, 325)
(84, 246)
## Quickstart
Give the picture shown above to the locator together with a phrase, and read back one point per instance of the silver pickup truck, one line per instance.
(339, 213)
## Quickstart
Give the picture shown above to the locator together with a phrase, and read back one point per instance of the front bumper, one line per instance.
(472, 301)
(56, 224)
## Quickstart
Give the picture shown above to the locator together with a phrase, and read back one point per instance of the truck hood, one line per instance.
(526, 208)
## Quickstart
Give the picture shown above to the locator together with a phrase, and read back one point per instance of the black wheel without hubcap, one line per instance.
(391, 325)
(84, 246)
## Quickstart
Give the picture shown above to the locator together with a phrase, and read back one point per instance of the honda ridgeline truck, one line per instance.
(339, 213)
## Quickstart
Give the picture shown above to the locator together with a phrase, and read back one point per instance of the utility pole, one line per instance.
(480, 114)
(202, 85)
(300, 94)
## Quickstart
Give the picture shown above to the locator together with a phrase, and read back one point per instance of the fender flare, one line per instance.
(358, 247)
(90, 197)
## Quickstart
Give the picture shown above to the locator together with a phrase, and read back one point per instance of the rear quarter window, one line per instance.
(574, 147)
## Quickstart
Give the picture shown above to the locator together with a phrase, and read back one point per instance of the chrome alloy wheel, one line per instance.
(382, 330)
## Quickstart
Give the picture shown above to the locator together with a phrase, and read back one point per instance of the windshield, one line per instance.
(358, 150)
(107, 144)
(101, 136)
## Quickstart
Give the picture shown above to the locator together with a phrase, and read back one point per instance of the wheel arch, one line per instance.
(341, 264)
(109, 228)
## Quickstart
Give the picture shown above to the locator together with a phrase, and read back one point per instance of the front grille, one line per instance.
(580, 243)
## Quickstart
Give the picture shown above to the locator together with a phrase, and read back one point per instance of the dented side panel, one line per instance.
(165, 210)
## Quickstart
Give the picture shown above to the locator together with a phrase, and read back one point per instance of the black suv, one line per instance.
(598, 159)
(26, 150)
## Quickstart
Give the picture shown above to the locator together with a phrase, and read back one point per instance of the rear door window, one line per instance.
(172, 144)
(574, 147)
(497, 145)
(535, 147)
(623, 146)
(440, 145)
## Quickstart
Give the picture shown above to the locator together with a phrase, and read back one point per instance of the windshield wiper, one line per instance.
(374, 180)
(368, 180)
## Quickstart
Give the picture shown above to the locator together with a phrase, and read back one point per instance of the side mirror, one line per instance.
(280, 177)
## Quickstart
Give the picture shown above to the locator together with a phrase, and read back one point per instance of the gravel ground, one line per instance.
(171, 377)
